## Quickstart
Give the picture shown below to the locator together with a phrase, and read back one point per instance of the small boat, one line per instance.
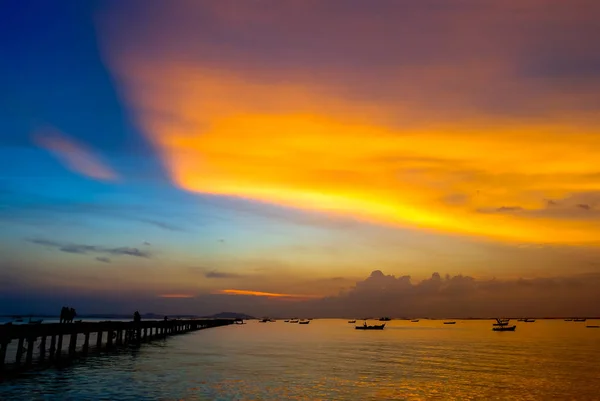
(568, 320)
(286, 321)
(294, 321)
(504, 328)
(385, 319)
(579, 320)
(528, 320)
(365, 327)
(449, 322)
(502, 325)
(265, 320)
(415, 321)
(351, 321)
(592, 327)
(304, 322)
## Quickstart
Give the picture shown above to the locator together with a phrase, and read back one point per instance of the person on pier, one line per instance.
(137, 317)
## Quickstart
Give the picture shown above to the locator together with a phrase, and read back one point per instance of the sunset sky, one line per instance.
(196, 156)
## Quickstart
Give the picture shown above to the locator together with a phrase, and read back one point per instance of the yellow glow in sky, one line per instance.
(290, 144)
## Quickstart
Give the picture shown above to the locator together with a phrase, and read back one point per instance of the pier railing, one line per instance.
(28, 345)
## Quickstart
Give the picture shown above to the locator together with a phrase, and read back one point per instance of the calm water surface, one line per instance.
(329, 360)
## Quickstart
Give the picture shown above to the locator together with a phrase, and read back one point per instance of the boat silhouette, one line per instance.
(374, 327)
(502, 325)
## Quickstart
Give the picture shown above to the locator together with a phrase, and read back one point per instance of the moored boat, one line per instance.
(579, 320)
(592, 327)
(449, 322)
(504, 328)
(374, 327)
(294, 321)
(351, 321)
(502, 325)
(304, 322)
(415, 321)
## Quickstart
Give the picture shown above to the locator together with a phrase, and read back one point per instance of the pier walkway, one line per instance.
(27, 346)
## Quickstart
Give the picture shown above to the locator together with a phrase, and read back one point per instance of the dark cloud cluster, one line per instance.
(92, 249)
(465, 296)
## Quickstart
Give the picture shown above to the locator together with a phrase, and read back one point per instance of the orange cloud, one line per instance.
(285, 145)
(446, 142)
(265, 294)
(176, 296)
(74, 156)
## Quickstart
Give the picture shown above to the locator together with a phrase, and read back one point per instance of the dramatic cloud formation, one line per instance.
(74, 155)
(466, 110)
(84, 249)
(464, 296)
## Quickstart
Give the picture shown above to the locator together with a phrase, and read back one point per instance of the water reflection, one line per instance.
(328, 359)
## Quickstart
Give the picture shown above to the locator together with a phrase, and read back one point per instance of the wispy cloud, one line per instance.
(163, 225)
(85, 249)
(176, 296)
(216, 274)
(265, 294)
(103, 259)
(73, 155)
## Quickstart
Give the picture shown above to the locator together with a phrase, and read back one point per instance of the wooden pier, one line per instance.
(43, 345)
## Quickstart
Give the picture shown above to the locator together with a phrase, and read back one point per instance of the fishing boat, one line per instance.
(592, 327)
(579, 320)
(505, 328)
(415, 321)
(502, 325)
(351, 321)
(526, 320)
(294, 321)
(374, 327)
(286, 321)
(449, 322)
(304, 322)
(265, 320)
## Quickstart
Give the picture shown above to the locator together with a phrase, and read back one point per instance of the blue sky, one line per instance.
(144, 153)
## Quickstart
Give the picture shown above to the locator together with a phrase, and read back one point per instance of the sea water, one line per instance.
(329, 360)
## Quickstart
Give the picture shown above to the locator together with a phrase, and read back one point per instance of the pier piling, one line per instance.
(109, 336)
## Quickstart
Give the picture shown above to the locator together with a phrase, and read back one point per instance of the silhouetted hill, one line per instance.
(230, 315)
